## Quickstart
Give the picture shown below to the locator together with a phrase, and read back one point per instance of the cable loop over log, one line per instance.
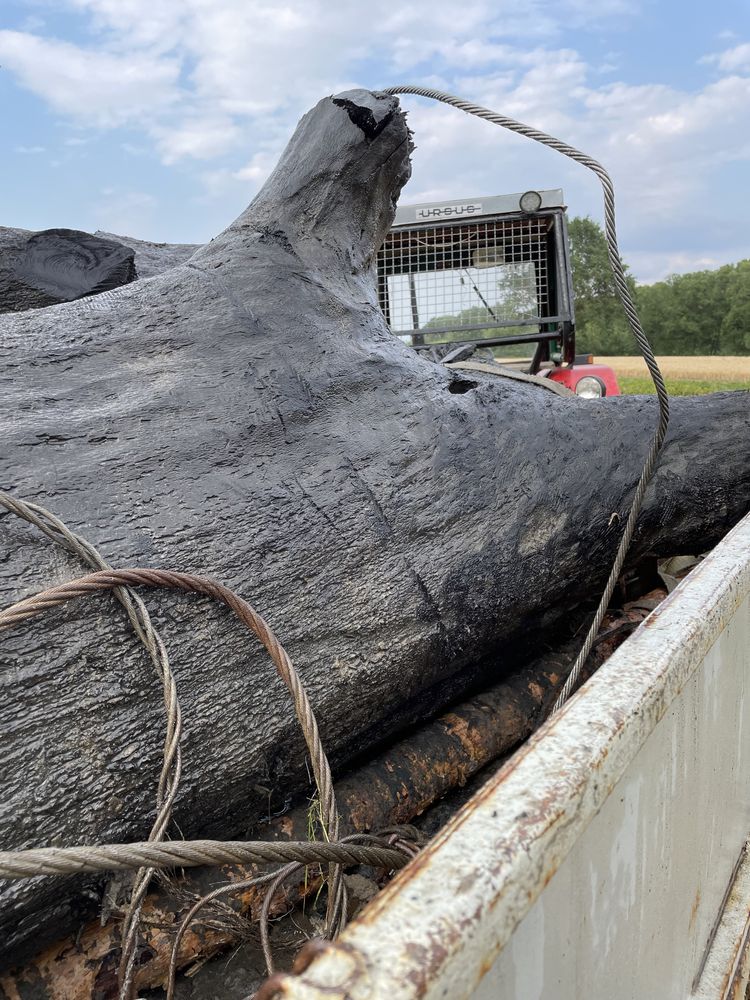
(112, 579)
(169, 778)
(623, 292)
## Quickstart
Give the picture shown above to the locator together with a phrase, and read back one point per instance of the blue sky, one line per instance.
(161, 118)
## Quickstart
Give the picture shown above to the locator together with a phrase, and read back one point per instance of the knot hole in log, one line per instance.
(460, 385)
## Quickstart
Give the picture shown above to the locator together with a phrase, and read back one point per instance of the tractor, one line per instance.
(489, 277)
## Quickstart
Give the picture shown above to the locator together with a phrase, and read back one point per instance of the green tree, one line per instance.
(601, 325)
(705, 312)
(734, 334)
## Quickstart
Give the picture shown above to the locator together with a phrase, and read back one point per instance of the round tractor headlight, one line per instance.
(530, 201)
(590, 387)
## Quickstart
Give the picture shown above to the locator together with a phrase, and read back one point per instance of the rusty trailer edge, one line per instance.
(548, 885)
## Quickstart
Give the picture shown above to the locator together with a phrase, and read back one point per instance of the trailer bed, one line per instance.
(608, 857)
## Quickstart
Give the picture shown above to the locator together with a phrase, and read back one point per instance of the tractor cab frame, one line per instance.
(488, 273)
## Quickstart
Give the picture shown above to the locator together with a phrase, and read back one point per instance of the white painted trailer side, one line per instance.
(606, 859)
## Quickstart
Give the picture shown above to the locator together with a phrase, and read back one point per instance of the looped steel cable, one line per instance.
(623, 292)
(30, 607)
(169, 778)
(112, 579)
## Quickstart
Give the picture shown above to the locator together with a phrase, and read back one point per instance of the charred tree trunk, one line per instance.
(248, 415)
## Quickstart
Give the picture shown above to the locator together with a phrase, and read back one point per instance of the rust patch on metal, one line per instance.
(309, 952)
(273, 987)
(694, 908)
(728, 892)
(427, 960)
(739, 983)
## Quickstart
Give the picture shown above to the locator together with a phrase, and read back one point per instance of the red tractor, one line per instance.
(462, 278)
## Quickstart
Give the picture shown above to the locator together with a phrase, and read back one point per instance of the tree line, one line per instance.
(704, 312)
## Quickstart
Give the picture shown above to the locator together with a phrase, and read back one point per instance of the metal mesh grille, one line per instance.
(466, 276)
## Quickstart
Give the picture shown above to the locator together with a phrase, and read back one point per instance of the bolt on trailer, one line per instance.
(488, 273)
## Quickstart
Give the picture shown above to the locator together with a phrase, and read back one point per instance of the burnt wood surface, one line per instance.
(248, 415)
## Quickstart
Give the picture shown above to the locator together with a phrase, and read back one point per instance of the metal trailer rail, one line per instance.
(607, 858)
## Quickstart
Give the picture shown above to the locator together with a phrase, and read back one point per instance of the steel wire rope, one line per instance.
(16, 865)
(113, 579)
(626, 299)
(169, 778)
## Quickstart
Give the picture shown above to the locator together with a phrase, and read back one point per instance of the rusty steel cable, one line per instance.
(169, 778)
(185, 854)
(112, 579)
(265, 935)
(626, 299)
(191, 583)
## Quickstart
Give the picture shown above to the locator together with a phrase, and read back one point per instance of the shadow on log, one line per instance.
(248, 415)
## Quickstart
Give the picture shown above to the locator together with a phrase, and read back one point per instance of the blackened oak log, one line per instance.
(15, 295)
(153, 258)
(248, 415)
(19, 291)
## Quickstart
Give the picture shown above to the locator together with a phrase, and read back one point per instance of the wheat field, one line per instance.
(704, 368)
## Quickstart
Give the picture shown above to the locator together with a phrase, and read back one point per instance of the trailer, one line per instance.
(608, 857)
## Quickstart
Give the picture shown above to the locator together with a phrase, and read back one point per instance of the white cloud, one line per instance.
(189, 73)
(225, 81)
(247, 179)
(94, 86)
(735, 60)
(32, 23)
(256, 171)
(28, 150)
(665, 143)
(664, 146)
(654, 266)
(132, 149)
(199, 137)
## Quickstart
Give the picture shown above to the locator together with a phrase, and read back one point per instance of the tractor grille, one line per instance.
(466, 276)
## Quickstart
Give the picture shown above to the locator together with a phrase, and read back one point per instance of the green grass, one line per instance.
(631, 385)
